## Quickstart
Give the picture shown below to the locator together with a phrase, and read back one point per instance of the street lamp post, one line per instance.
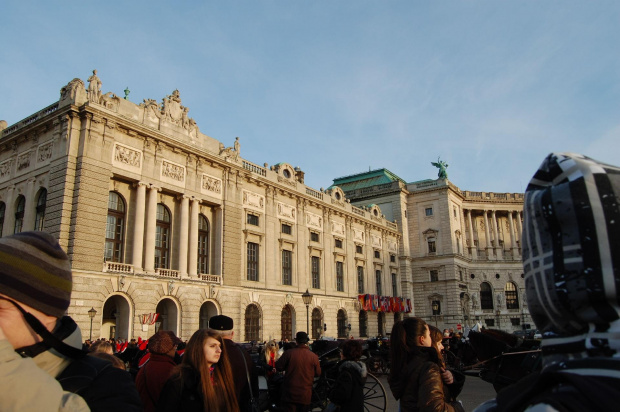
(91, 313)
(435, 310)
(307, 297)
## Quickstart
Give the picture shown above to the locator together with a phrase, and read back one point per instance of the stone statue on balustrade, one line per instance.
(94, 88)
(231, 152)
(442, 166)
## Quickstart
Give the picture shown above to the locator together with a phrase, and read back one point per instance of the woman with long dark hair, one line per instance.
(453, 379)
(203, 382)
(415, 375)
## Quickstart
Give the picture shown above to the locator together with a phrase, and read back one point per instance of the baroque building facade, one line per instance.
(461, 250)
(166, 227)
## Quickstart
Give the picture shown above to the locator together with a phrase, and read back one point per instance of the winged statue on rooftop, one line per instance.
(442, 166)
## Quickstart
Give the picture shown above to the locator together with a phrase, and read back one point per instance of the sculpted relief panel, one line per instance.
(127, 158)
(211, 185)
(358, 235)
(376, 241)
(392, 246)
(44, 152)
(286, 211)
(172, 173)
(338, 228)
(23, 161)
(313, 220)
(5, 169)
(253, 200)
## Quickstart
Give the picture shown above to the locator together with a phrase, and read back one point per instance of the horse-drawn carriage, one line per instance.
(329, 356)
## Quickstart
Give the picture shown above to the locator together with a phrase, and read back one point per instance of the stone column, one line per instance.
(192, 268)
(487, 233)
(498, 248)
(138, 226)
(513, 243)
(219, 241)
(149, 238)
(472, 246)
(183, 234)
(9, 212)
(30, 206)
(520, 229)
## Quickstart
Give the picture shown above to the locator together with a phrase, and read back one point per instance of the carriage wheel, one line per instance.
(374, 395)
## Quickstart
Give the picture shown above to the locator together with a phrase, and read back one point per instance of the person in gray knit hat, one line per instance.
(42, 367)
(571, 261)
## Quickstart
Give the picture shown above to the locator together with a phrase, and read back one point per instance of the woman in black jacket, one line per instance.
(415, 374)
(203, 381)
(348, 390)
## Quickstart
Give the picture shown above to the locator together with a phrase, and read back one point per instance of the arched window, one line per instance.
(342, 324)
(40, 211)
(363, 323)
(115, 228)
(162, 238)
(19, 214)
(203, 244)
(2, 211)
(486, 296)
(512, 298)
(252, 322)
(317, 326)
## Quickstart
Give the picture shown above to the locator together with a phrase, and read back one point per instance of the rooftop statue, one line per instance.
(94, 88)
(442, 174)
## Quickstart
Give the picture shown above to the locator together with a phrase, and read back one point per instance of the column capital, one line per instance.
(139, 184)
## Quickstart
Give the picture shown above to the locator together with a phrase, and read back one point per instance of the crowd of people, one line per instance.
(571, 253)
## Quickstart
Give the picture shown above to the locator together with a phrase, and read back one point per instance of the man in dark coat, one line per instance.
(154, 374)
(300, 365)
(236, 354)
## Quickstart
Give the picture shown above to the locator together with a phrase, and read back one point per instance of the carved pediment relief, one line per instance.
(23, 161)
(5, 169)
(44, 152)
(127, 158)
(392, 246)
(253, 200)
(359, 235)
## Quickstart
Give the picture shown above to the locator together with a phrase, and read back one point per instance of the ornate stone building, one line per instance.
(166, 227)
(461, 251)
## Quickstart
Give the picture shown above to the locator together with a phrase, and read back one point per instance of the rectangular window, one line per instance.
(252, 261)
(316, 274)
(252, 220)
(431, 246)
(287, 278)
(314, 236)
(377, 254)
(286, 229)
(394, 284)
(338, 243)
(461, 275)
(360, 280)
(378, 280)
(515, 321)
(428, 211)
(359, 249)
(490, 322)
(339, 277)
(393, 258)
(434, 276)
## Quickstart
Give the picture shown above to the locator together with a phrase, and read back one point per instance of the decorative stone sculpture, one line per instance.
(94, 88)
(442, 166)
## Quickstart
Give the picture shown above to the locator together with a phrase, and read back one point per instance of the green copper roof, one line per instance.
(366, 179)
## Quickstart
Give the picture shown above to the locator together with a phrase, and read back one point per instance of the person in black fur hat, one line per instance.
(571, 260)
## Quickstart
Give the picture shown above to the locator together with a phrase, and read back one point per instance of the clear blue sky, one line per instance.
(338, 87)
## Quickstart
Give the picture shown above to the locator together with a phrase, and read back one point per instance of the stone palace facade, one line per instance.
(166, 227)
(461, 249)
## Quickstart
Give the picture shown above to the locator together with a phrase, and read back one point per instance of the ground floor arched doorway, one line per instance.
(116, 318)
(168, 316)
(286, 322)
(317, 323)
(207, 311)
